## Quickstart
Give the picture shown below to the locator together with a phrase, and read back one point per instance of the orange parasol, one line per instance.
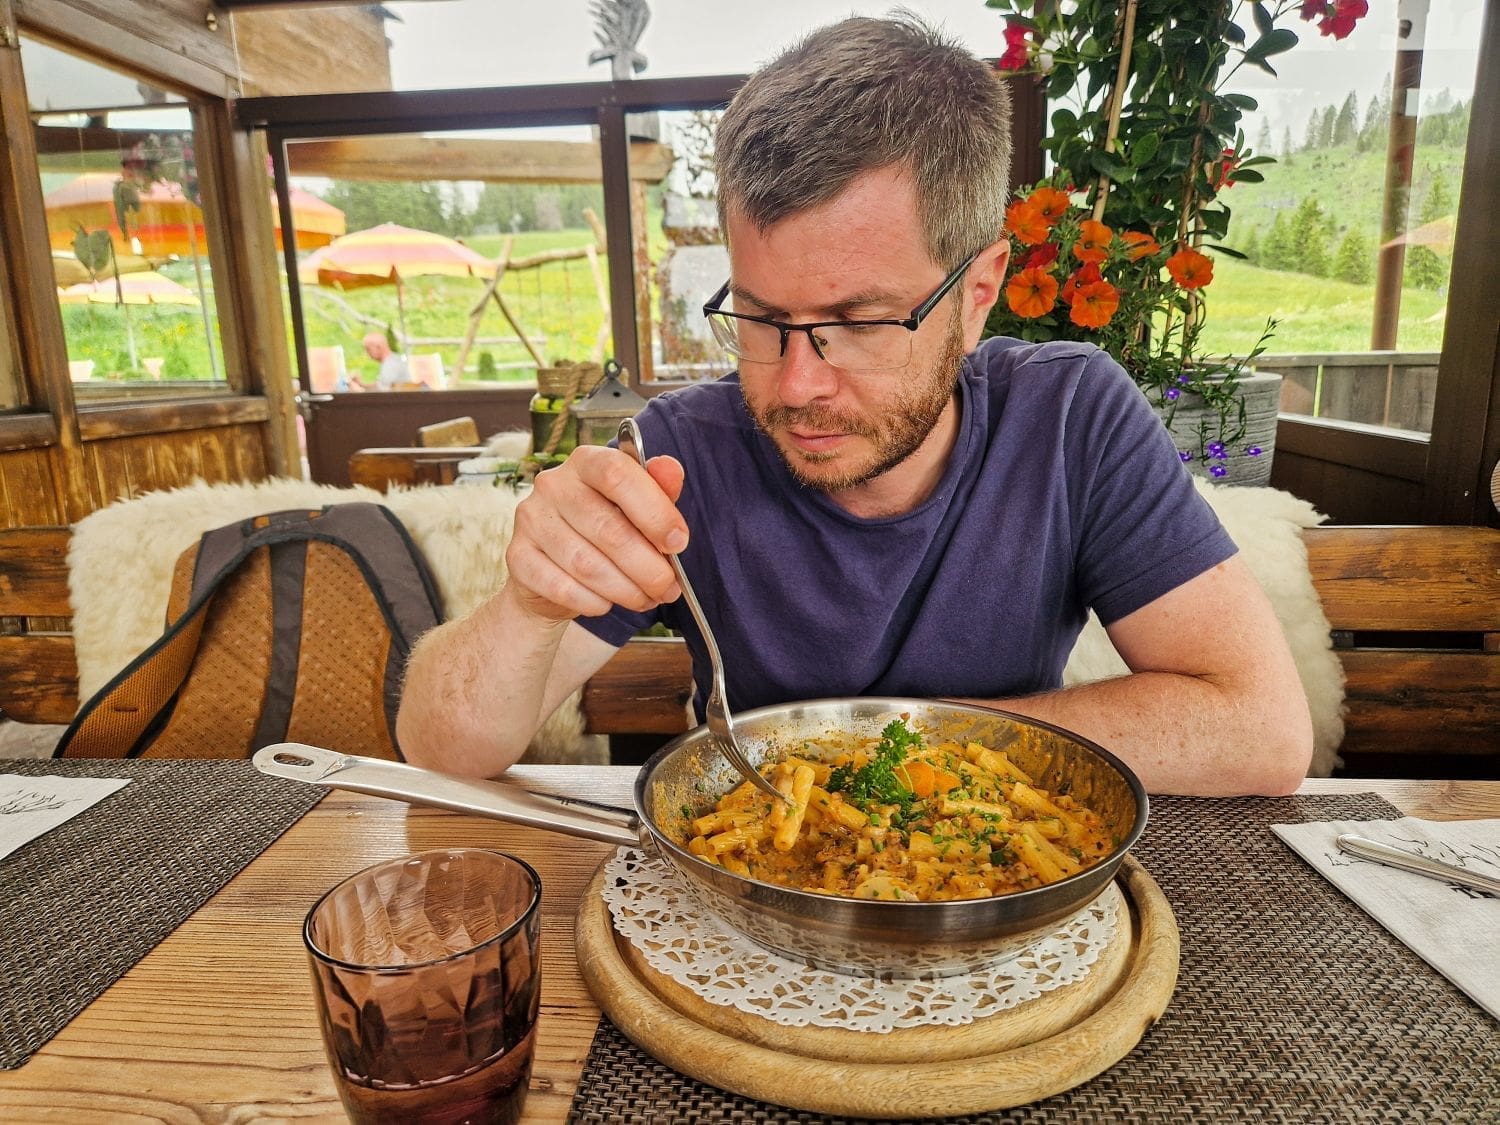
(388, 255)
(147, 288)
(168, 223)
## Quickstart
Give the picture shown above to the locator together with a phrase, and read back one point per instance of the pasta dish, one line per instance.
(900, 820)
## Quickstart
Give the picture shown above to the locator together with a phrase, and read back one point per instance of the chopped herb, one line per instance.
(876, 782)
(687, 812)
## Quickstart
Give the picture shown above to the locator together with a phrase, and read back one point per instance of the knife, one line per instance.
(1421, 864)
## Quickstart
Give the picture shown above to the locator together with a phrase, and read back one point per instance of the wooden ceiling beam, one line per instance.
(487, 160)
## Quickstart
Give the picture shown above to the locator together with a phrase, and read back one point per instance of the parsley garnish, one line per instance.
(876, 782)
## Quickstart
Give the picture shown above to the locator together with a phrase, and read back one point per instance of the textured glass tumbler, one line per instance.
(427, 972)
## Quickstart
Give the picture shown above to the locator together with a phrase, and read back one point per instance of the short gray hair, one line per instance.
(862, 95)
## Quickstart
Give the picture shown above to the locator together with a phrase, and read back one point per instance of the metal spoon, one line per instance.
(715, 709)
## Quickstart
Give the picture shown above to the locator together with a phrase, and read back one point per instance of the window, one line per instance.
(130, 245)
(1349, 239)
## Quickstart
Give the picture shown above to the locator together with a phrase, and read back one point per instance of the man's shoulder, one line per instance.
(717, 405)
(1004, 356)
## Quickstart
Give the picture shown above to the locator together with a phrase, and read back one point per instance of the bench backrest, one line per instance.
(1414, 613)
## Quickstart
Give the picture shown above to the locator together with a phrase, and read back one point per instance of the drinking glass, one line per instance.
(427, 971)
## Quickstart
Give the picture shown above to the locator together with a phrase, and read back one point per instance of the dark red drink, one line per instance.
(492, 1094)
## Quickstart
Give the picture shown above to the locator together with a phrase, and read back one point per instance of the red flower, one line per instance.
(1052, 203)
(1094, 304)
(1190, 269)
(1085, 275)
(1335, 17)
(1024, 220)
(1223, 175)
(1031, 293)
(1140, 245)
(1043, 256)
(1016, 54)
(1093, 242)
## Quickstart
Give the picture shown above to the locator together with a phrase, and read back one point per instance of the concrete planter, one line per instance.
(1192, 418)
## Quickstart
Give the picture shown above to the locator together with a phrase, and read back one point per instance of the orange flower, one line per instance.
(1031, 293)
(1094, 240)
(1052, 203)
(1087, 275)
(1024, 220)
(1190, 269)
(1094, 304)
(1140, 244)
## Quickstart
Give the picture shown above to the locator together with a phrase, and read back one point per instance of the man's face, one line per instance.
(860, 257)
(376, 348)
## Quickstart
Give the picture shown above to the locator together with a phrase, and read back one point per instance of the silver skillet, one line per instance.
(897, 939)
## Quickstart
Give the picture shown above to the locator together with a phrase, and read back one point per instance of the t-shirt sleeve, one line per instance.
(1141, 527)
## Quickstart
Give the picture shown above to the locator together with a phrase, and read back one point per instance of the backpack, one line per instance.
(294, 626)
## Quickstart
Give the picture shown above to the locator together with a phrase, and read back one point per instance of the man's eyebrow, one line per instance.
(838, 311)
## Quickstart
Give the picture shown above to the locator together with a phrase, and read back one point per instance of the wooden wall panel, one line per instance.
(316, 52)
(28, 496)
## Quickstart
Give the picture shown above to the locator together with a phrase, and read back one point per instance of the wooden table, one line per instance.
(217, 1023)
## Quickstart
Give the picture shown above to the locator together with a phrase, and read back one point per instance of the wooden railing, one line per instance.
(1394, 389)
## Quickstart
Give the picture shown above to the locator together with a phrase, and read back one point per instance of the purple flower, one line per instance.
(1184, 456)
(1183, 379)
(1254, 451)
(1216, 450)
(1172, 393)
(1218, 470)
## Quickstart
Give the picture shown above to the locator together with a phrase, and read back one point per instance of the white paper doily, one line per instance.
(654, 909)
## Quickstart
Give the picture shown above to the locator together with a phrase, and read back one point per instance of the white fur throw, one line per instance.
(1266, 523)
(121, 558)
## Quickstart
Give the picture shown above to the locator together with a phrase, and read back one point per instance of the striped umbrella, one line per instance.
(388, 255)
(146, 288)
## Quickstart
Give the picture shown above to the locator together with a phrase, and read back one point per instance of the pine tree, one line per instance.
(1309, 239)
(1325, 126)
(1286, 144)
(1424, 269)
(1369, 132)
(1311, 141)
(1352, 261)
(1250, 246)
(1277, 252)
(1438, 202)
(1346, 124)
(1263, 137)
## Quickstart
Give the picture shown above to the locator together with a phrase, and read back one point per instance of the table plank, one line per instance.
(218, 1022)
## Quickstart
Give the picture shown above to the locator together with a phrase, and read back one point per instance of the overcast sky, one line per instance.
(457, 43)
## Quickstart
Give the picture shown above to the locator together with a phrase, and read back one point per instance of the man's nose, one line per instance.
(805, 376)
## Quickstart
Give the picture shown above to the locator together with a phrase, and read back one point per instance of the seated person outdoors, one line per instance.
(875, 503)
(393, 369)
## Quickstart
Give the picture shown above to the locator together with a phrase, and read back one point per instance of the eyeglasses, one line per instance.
(854, 345)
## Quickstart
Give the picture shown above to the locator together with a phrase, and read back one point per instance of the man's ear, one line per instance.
(982, 287)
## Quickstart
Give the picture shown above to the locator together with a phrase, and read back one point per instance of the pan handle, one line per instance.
(314, 765)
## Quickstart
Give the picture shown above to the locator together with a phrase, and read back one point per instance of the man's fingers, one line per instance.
(646, 502)
(668, 474)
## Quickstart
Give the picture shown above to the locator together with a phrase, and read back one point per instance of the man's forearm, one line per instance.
(476, 689)
(1186, 734)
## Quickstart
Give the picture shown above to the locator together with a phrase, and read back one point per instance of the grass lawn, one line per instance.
(1314, 314)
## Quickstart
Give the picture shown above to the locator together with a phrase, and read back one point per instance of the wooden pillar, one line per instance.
(1406, 87)
(614, 153)
(38, 330)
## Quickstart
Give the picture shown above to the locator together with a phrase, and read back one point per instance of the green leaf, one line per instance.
(1108, 164)
(1246, 176)
(1263, 21)
(1234, 33)
(1227, 251)
(1273, 42)
(1242, 101)
(1144, 149)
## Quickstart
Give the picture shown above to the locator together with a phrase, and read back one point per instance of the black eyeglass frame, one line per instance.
(910, 323)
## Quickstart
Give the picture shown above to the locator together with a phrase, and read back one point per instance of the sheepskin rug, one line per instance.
(132, 546)
(463, 530)
(1266, 524)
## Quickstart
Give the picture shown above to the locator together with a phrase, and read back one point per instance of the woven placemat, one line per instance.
(86, 901)
(1292, 1004)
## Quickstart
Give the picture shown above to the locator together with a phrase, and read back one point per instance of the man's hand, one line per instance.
(593, 534)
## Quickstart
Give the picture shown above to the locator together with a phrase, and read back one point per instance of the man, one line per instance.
(392, 364)
(871, 511)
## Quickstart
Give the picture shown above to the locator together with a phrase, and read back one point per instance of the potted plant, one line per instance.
(1143, 142)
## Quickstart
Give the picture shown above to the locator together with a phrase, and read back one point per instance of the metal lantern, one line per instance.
(612, 401)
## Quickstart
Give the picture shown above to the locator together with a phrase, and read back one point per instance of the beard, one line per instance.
(894, 435)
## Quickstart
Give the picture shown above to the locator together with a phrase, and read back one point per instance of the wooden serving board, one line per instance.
(1032, 1051)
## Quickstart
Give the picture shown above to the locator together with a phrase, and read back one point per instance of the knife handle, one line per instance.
(1421, 864)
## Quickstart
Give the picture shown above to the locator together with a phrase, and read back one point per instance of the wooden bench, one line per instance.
(1414, 613)
(380, 467)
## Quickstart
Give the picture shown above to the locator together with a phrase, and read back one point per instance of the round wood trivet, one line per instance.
(1032, 1051)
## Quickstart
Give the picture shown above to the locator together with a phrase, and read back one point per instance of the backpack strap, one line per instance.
(123, 716)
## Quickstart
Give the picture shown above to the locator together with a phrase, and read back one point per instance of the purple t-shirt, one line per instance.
(1063, 493)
